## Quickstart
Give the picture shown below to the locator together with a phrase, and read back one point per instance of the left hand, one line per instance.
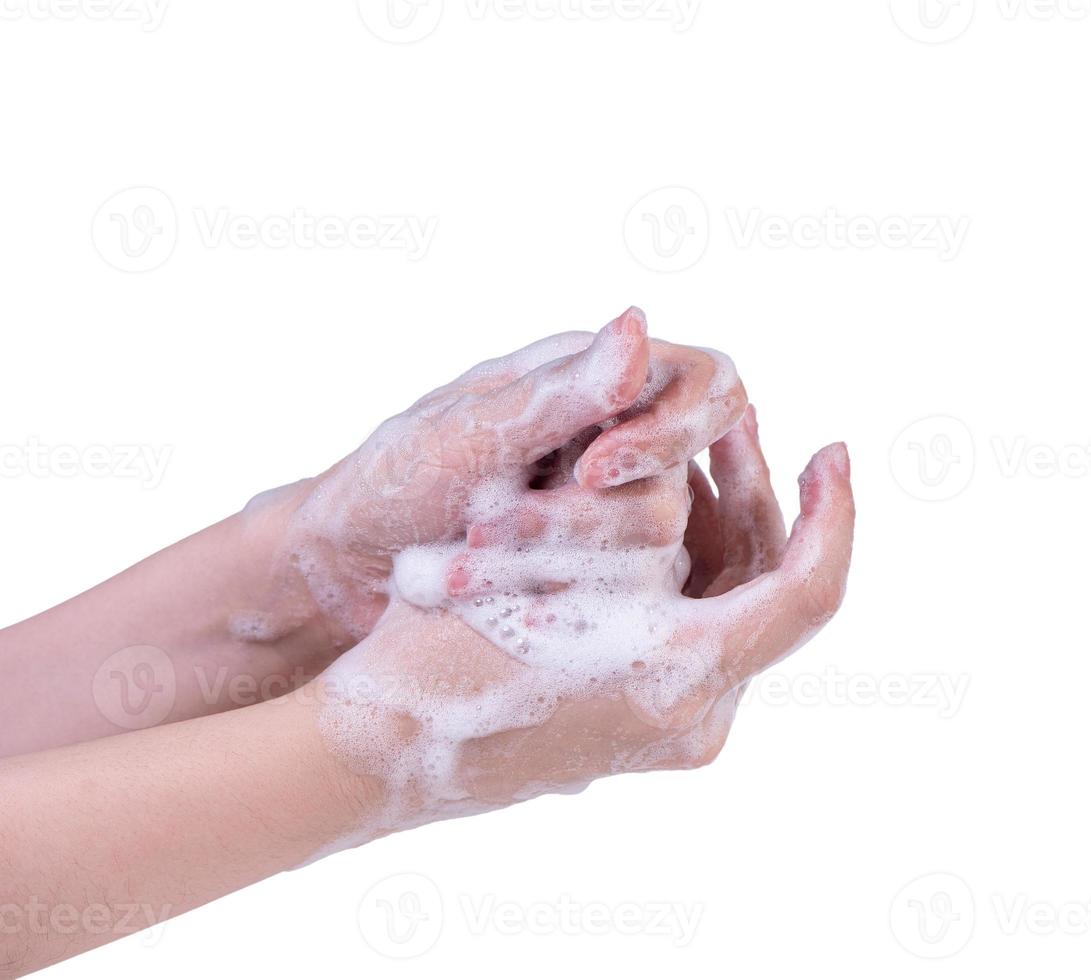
(632, 406)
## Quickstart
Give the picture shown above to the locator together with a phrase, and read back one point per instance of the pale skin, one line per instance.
(167, 818)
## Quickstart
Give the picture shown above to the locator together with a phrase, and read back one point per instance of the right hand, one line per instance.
(635, 407)
(424, 705)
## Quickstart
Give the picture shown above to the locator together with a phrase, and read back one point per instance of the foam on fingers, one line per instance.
(517, 608)
(545, 408)
(693, 396)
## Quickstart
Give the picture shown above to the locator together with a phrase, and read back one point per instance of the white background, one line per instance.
(528, 140)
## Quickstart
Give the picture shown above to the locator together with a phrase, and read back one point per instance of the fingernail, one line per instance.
(457, 580)
(637, 314)
(839, 457)
(590, 475)
(624, 466)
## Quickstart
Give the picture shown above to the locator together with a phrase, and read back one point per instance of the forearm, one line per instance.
(220, 622)
(108, 837)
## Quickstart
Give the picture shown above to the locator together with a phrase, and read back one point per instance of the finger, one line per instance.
(750, 517)
(703, 539)
(486, 572)
(766, 619)
(499, 371)
(542, 410)
(693, 397)
(527, 522)
(646, 513)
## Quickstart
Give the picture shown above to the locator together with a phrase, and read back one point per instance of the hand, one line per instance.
(264, 600)
(626, 406)
(602, 665)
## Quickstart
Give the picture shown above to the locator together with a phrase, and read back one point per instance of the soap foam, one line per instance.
(578, 618)
(580, 589)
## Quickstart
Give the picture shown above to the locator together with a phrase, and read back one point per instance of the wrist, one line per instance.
(344, 800)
